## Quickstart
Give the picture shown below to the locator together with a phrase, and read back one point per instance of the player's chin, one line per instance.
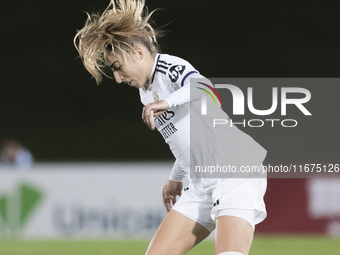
(134, 84)
(138, 85)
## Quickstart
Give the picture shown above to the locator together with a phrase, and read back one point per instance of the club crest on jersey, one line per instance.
(155, 96)
(175, 72)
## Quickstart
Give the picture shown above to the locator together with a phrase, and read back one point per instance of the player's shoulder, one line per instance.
(172, 62)
(174, 68)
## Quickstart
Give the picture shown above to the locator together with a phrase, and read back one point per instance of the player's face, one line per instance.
(131, 72)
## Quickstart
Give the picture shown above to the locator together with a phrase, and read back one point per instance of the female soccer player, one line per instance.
(122, 39)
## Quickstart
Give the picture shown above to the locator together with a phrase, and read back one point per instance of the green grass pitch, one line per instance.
(261, 246)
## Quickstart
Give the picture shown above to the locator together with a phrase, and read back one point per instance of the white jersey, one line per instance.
(170, 81)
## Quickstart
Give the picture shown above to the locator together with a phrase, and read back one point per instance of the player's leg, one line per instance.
(238, 207)
(233, 234)
(176, 235)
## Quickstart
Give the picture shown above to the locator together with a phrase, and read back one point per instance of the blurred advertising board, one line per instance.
(123, 201)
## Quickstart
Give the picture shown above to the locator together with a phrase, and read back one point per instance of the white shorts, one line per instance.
(237, 197)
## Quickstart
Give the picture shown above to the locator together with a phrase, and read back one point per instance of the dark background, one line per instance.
(50, 103)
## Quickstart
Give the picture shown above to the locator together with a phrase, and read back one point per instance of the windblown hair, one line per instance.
(122, 24)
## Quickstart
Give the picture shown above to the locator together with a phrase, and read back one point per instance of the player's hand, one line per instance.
(170, 191)
(153, 110)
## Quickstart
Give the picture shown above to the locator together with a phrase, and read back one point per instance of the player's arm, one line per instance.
(181, 95)
(170, 191)
(184, 95)
(153, 110)
(174, 186)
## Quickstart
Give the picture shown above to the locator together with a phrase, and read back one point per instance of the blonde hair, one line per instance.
(122, 24)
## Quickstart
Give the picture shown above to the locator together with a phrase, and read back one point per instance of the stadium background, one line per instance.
(49, 102)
